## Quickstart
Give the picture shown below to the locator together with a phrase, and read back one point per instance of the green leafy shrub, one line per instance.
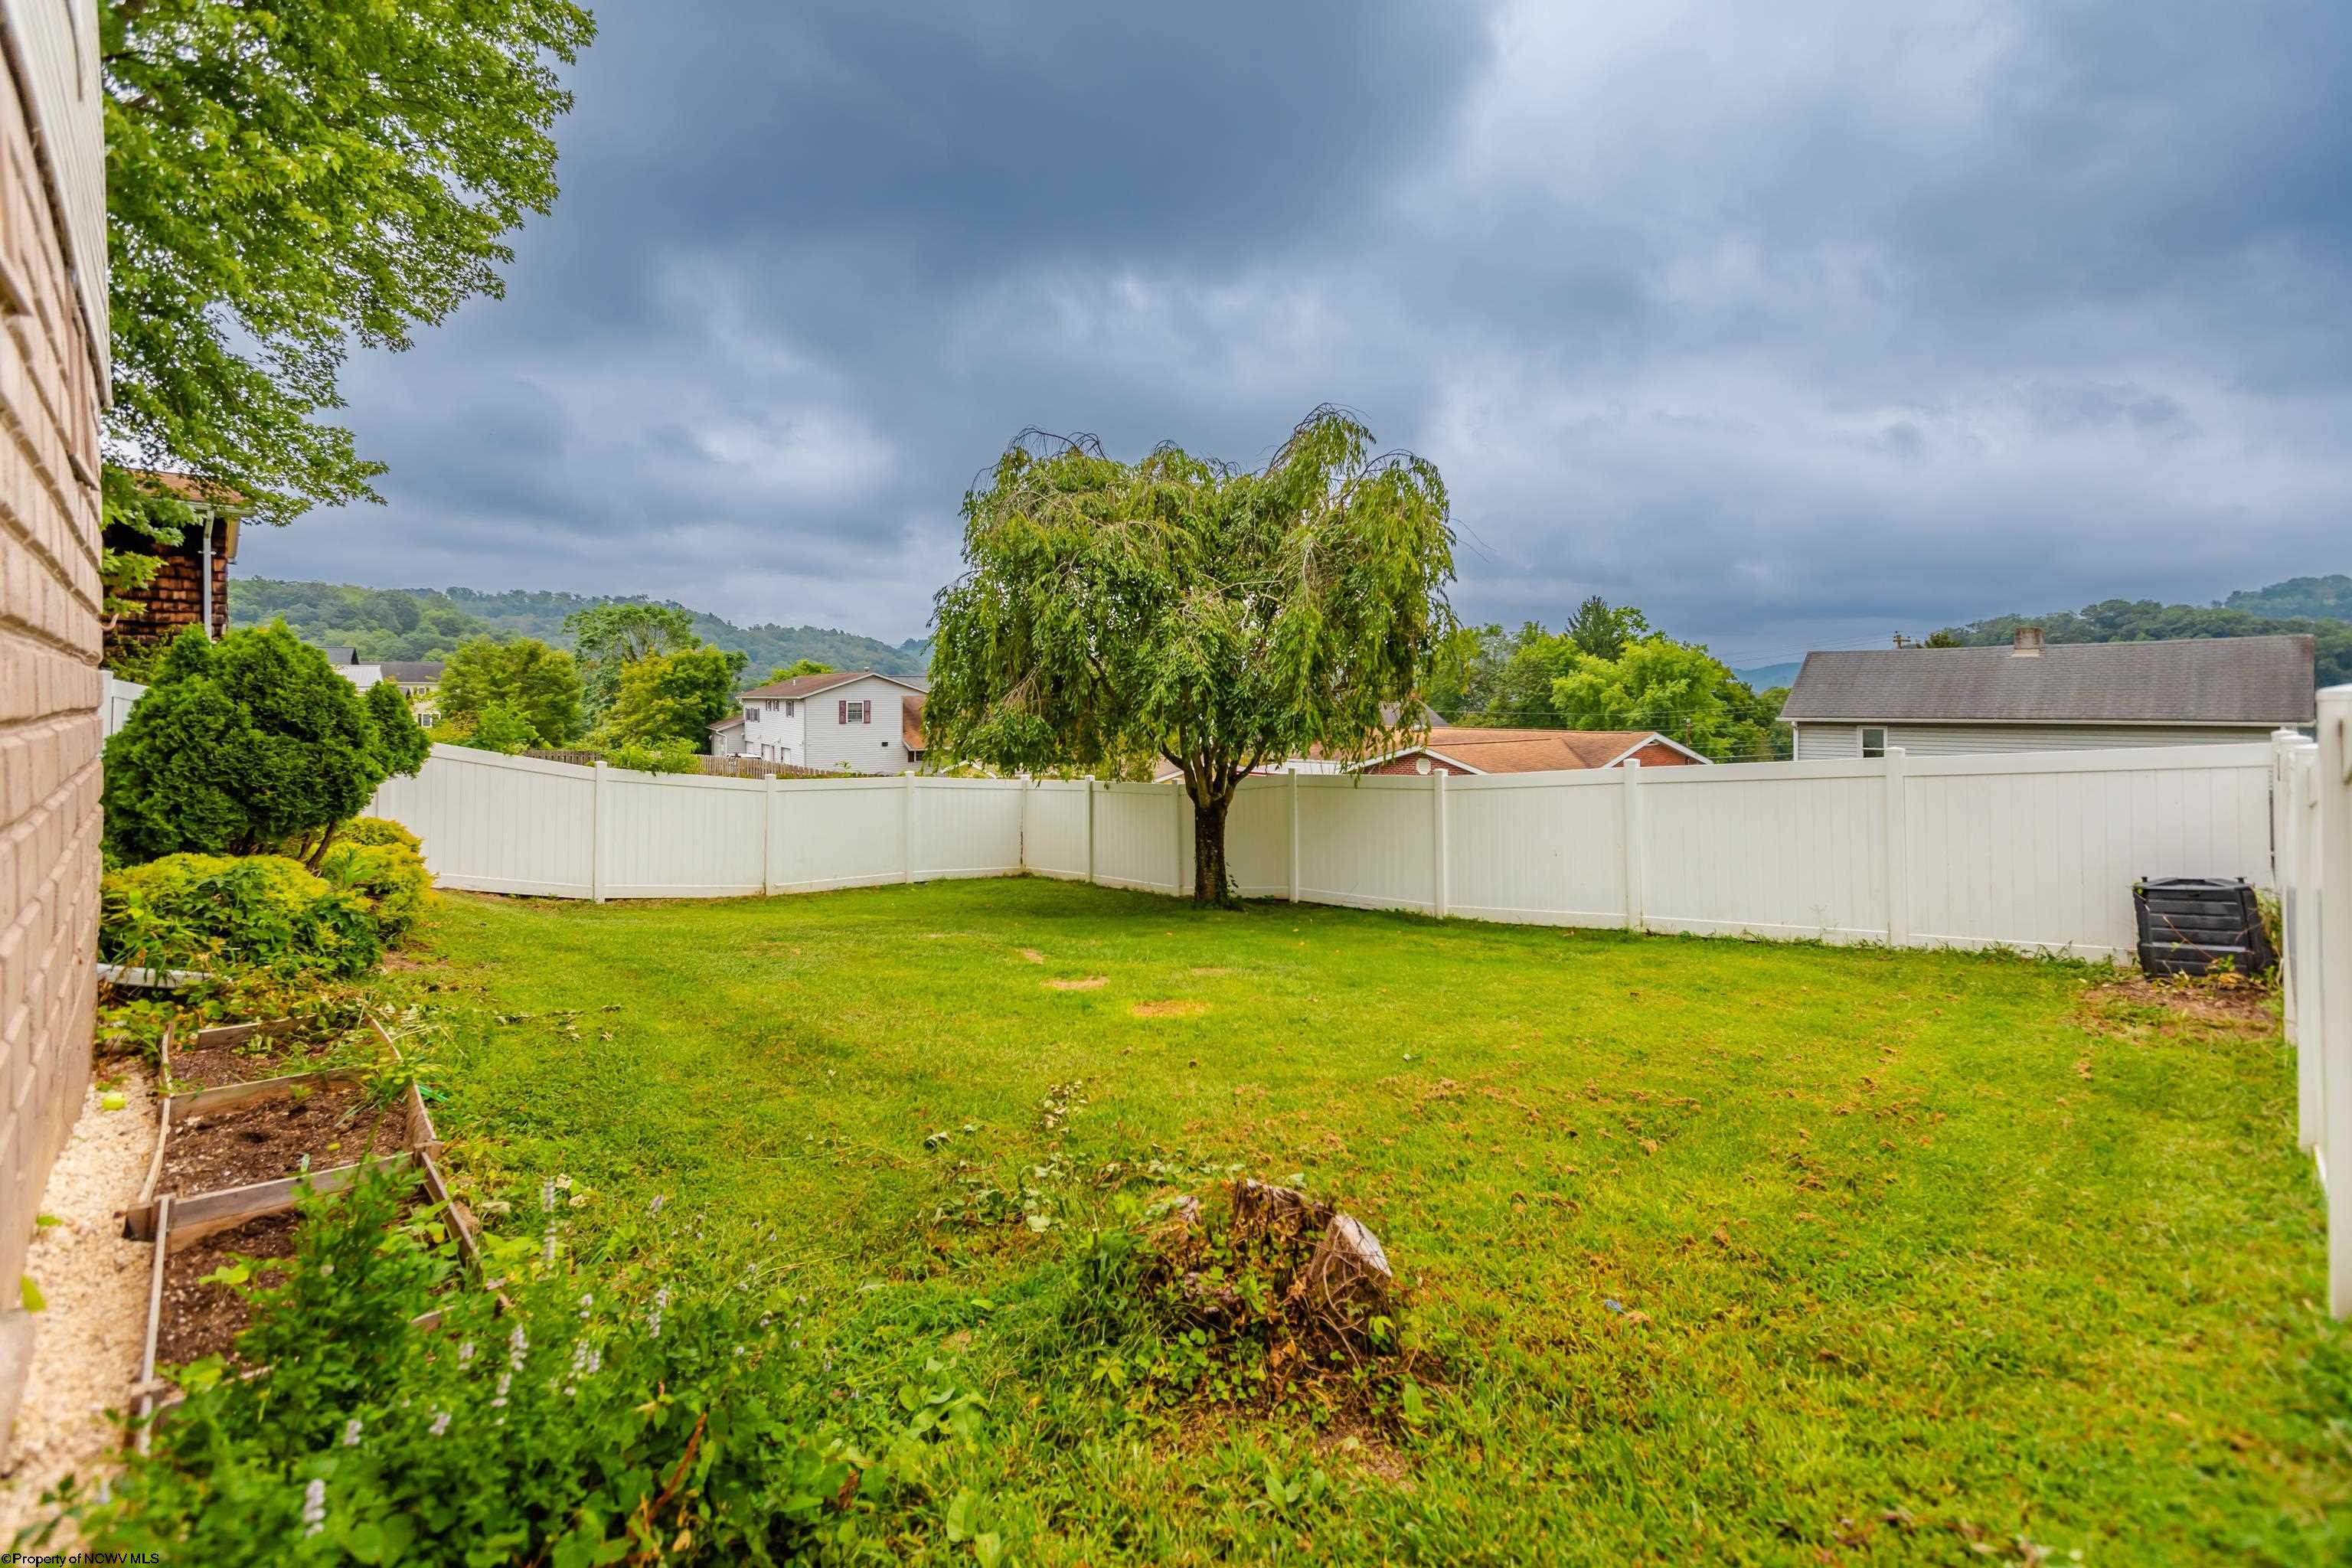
(247, 743)
(389, 874)
(202, 911)
(377, 830)
(501, 727)
(671, 756)
(587, 1425)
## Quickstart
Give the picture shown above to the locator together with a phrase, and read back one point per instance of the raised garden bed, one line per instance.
(232, 1162)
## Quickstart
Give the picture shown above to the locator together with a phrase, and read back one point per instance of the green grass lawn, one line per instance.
(1913, 1256)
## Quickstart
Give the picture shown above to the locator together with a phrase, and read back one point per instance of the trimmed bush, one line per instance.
(390, 875)
(377, 830)
(207, 911)
(244, 744)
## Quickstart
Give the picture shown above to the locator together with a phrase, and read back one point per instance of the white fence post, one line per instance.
(1090, 830)
(1176, 821)
(2334, 1035)
(1293, 836)
(2285, 822)
(596, 835)
(1899, 853)
(2306, 931)
(768, 839)
(906, 827)
(1438, 878)
(1634, 914)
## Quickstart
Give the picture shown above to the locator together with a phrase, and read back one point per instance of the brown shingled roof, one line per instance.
(1533, 750)
(810, 685)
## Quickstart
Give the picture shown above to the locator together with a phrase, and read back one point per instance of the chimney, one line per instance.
(2028, 644)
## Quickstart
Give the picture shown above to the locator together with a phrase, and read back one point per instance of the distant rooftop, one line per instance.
(2204, 680)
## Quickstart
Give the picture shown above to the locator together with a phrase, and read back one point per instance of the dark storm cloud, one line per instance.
(1793, 325)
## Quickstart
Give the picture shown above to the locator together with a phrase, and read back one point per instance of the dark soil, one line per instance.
(205, 1319)
(263, 1140)
(220, 1065)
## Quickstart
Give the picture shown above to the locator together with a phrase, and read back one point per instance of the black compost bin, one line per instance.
(2197, 925)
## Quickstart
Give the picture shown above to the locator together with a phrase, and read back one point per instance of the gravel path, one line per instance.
(87, 1346)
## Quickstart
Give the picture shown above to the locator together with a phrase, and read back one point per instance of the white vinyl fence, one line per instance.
(2034, 852)
(119, 698)
(2313, 829)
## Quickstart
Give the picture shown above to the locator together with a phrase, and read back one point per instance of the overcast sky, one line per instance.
(1794, 323)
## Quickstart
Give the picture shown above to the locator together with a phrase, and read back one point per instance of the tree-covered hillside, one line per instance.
(429, 623)
(2145, 620)
(2317, 599)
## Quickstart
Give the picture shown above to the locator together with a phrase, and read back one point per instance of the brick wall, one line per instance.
(49, 688)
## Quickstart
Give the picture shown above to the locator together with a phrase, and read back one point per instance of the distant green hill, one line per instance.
(2146, 620)
(2317, 598)
(428, 622)
(1765, 677)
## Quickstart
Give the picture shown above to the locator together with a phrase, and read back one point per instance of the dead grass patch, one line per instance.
(2220, 1001)
(1169, 1009)
(1033, 955)
(1083, 982)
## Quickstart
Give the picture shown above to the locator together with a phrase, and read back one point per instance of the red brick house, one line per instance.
(178, 597)
(1463, 749)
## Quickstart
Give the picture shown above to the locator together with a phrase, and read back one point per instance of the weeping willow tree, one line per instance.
(1177, 607)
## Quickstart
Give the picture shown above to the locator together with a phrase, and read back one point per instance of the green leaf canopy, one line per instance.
(1180, 607)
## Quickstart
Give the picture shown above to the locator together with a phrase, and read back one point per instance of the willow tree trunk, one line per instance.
(1211, 884)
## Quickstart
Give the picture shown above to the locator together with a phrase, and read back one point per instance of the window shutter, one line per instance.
(842, 717)
(868, 706)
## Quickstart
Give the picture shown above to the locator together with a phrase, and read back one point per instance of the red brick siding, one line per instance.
(175, 599)
(1657, 756)
(49, 689)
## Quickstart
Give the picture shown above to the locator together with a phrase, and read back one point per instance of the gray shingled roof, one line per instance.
(2213, 681)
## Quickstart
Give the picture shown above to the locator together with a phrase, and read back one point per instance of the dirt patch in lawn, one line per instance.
(1089, 982)
(201, 1319)
(1169, 1009)
(1033, 955)
(2226, 1004)
(263, 1140)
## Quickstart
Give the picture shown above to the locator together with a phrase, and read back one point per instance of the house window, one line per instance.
(750, 715)
(1874, 742)
(854, 713)
(788, 708)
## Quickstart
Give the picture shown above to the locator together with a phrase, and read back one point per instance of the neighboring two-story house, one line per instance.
(419, 679)
(850, 720)
(2035, 696)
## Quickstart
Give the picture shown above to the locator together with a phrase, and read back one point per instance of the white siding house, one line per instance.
(853, 720)
(2038, 696)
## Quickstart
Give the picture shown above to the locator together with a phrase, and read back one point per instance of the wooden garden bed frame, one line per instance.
(174, 1222)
